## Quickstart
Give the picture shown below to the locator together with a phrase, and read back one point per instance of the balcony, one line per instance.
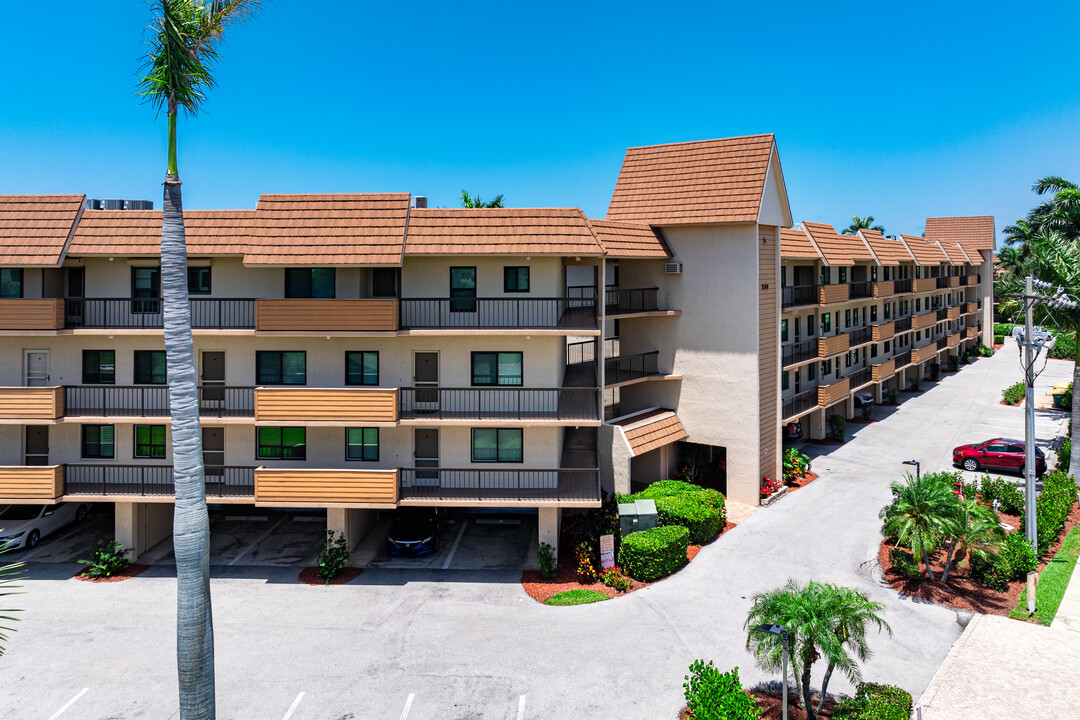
(860, 336)
(902, 360)
(31, 403)
(627, 368)
(146, 313)
(902, 286)
(25, 484)
(829, 394)
(799, 403)
(902, 324)
(921, 355)
(969, 280)
(954, 281)
(970, 308)
(321, 487)
(941, 344)
(576, 404)
(885, 331)
(499, 314)
(832, 293)
(941, 282)
(800, 352)
(859, 290)
(941, 314)
(500, 486)
(799, 295)
(329, 405)
(924, 320)
(971, 333)
(954, 339)
(327, 315)
(923, 284)
(884, 371)
(619, 301)
(953, 312)
(153, 481)
(884, 288)
(862, 376)
(828, 346)
(31, 314)
(215, 401)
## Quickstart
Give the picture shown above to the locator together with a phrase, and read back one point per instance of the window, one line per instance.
(826, 367)
(362, 368)
(783, 276)
(362, 444)
(810, 326)
(843, 274)
(150, 367)
(281, 443)
(873, 313)
(198, 280)
(98, 367)
(385, 282)
(825, 276)
(847, 359)
(515, 279)
(97, 441)
(309, 282)
(463, 285)
(150, 441)
(280, 368)
(784, 380)
(491, 368)
(811, 372)
(11, 283)
(783, 331)
(847, 318)
(873, 350)
(826, 323)
(146, 285)
(796, 328)
(497, 445)
(888, 314)
(873, 272)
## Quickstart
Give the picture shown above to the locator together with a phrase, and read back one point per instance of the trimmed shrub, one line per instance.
(984, 351)
(999, 339)
(545, 558)
(837, 429)
(892, 395)
(935, 371)
(334, 556)
(1052, 507)
(1014, 394)
(1064, 454)
(875, 702)
(1018, 556)
(1003, 328)
(954, 363)
(1010, 499)
(681, 489)
(990, 571)
(107, 559)
(1064, 348)
(651, 554)
(904, 564)
(712, 695)
(701, 519)
(868, 412)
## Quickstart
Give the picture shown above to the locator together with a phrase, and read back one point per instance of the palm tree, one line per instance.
(177, 73)
(919, 514)
(973, 528)
(475, 201)
(858, 223)
(9, 575)
(853, 613)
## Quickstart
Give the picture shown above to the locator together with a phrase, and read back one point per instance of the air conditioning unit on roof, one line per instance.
(673, 268)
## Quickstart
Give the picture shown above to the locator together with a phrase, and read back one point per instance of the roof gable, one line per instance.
(925, 253)
(796, 245)
(35, 229)
(976, 231)
(887, 251)
(629, 240)
(138, 232)
(835, 248)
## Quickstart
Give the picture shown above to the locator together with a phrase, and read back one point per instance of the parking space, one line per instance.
(74, 542)
(471, 541)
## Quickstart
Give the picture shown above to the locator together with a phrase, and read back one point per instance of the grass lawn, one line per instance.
(576, 597)
(1052, 583)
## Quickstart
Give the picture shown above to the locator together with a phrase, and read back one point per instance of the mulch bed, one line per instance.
(771, 703)
(310, 575)
(862, 421)
(802, 481)
(1002, 402)
(962, 591)
(566, 577)
(130, 571)
(825, 441)
(997, 347)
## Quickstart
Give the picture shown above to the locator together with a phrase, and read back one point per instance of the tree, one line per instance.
(177, 74)
(919, 514)
(475, 201)
(858, 223)
(822, 621)
(972, 528)
(9, 575)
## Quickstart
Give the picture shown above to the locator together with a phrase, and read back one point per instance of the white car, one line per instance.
(25, 525)
(864, 398)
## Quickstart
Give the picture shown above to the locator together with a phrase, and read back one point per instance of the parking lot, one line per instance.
(471, 541)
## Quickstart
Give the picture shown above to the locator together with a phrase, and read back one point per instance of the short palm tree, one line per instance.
(9, 575)
(474, 201)
(919, 514)
(866, 223)
(972, 528)
(177, 73)
(853, 613)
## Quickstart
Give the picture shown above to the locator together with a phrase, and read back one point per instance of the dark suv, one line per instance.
(997, 454)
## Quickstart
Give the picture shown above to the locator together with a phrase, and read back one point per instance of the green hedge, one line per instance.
(1064, 455)
(1064, 348)
(1008, 496)
(651, 554)
(712, 695)
(1014, 394)
(875, 702)
(1052, 507)
(1003, 328)
(1017, 556)
(707, 497)
(701, 519)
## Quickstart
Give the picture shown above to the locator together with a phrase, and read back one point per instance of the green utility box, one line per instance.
(635, 516)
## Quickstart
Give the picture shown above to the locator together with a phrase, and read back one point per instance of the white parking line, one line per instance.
(453, 548)
(292, 708)
(521, 708)
(408, 704)
(255, 544)
(68, 704)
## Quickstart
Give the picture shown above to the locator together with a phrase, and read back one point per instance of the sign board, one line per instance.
(607, 551)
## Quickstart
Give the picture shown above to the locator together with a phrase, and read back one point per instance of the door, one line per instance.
(1014, 457)
(426, 455)
(426, 381)
(213, 381)
(76, 290)
(463, 285)
(37, 368)
(994, 455)
(37, 445)
(213, 444)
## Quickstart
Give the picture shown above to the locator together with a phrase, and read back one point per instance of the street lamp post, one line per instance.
(918, 467)
(783, 633)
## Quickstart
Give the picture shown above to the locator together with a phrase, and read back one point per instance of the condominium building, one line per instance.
(361, 351)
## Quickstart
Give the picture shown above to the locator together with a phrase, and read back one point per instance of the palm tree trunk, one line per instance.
(805, 688)
(926, 560)
(191, 527)
(948, 561)
(824, 687)
(1074, 454)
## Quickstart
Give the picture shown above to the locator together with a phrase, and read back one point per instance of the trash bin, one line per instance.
(1061, 392)
(635, 516)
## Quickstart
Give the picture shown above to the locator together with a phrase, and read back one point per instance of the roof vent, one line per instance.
(673, 268)
(890, 237)
(116, 204)
(419, 201)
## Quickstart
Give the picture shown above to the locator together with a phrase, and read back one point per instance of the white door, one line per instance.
(37, 368)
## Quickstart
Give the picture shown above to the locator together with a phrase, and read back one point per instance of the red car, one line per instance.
(997, 454)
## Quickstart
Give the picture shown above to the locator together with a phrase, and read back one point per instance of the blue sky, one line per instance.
(903, 112)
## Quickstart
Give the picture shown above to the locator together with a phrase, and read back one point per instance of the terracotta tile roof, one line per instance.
(925, 253)
(329, 229)
(652, 429)
(888, 251)
(500, 231)
(629, 240)
(835, 248)
(956, 254)
(35, 228)
(795, 245)
(709, 181)
(138, 232)
(976, 231)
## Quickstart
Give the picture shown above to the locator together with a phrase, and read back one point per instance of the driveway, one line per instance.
(427, 644)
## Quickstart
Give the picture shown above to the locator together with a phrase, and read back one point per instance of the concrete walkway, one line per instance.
(1068, 613)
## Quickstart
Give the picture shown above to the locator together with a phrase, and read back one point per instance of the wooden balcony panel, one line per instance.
(954, 339)
(954, 312)
(884, 332)
(829, 394)
(919, 285)
(923, 354)
(970, 307)
(24, 484)
(316, 488)
(832, 293)
(345, 405)
(921, 322)
(971, 333)
(31, 403)
(367, 315)
(31, 313)
(883, 288)
(954, 281)
(832, 345)
(884, 371)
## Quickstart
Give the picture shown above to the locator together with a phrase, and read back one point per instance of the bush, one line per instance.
(905, 564)
(703, 521)
(796, 464)
(545, 558)
(712, 695)
(935, 371)
(107, 560)
(614, 579)
(334, 556)
(837, 427)
(999, 339)
(1052, 507)
(1003, 328)
(990, 571)
(892, 395)
(875, 702)
(1064, 348)
(1018, 556)
(984, 351)
(586, 572)
(1014, 394)
(954, 363)
(1008, 496)
(915, 384)
(1064, 453)
(677, 488)
(651, 554)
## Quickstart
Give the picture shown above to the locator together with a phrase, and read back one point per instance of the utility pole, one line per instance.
(1029, 437)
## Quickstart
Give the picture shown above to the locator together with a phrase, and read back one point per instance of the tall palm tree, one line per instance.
(853, 613)
(177, 73)
(866, 223)
(919, 514)
(973, 528)
(9, 575)
(474, 201)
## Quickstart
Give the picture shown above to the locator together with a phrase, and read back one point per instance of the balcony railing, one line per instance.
(153, 480)
(634, 300)
(800, 352)
(585, 351)
(859, 290)
(625, 368)
(902, 286)
(902, 325)
(942, 282)
(153, 401)
(499, 313)
(861, 377)
(799, 295)
(800, 403)
(500, 485)
(942, 343)
(499, 403)
(968, 279)
(206, 313)
(902, 359)
(860, 336)
(942, 314)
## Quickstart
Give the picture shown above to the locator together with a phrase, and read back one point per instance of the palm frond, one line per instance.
(1052, 183)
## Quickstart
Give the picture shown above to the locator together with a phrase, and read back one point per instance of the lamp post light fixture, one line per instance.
(783, 633)
(916, 464)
